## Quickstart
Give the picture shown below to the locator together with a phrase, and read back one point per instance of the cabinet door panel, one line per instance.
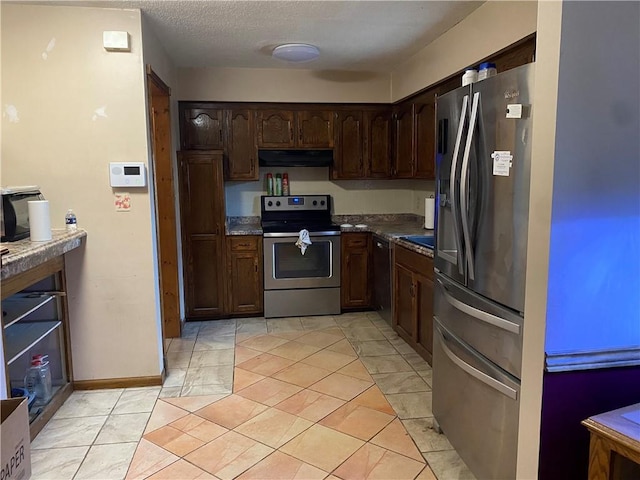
(202, 129)
(356, 270)
(275, 129)
(403, 317)
(348, 154)
(204, 283)
(242, 152)
(424, 303)
(378, 143)
(425, 126)
(315, 129)
(202, 208)
(246, 294)
(403, 145)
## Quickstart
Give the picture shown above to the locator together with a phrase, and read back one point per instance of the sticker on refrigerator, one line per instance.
(502, 163)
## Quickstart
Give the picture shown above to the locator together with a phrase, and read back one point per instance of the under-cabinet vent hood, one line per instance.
(295, 158)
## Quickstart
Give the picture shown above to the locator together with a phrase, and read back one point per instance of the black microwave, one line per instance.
(15, 211)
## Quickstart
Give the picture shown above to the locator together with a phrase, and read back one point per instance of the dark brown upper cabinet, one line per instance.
(424, 121)
(295, 129)
(403, 162)
(377, 142)
(276, 129)
(241, 159)
(315, 129)
(202, 129)
(348, 152)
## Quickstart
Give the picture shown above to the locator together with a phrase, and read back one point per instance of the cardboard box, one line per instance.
(15, 449)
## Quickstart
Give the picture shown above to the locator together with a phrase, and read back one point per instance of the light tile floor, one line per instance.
(331, 397)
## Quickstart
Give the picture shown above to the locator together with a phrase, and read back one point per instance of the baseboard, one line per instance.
(129, 382)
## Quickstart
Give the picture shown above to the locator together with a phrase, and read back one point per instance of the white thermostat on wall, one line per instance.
(127, 174)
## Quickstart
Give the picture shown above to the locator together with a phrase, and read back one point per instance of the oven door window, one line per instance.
(290, 263)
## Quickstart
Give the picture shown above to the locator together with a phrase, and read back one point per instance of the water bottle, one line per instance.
(32, 379)
(71, 221)
(38, 379)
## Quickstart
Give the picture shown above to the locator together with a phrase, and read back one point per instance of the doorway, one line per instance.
(160, 115)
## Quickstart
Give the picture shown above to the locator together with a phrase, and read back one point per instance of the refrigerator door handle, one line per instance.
(479, 314)
(452, 183)
(475, 373)
(464, 186)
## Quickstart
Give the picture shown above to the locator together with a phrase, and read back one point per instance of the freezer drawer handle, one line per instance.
(477, 374)
(479, 314)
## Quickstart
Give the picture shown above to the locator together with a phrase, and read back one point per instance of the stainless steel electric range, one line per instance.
(297, 284)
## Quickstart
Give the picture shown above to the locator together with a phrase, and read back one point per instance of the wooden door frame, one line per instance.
(166, 228)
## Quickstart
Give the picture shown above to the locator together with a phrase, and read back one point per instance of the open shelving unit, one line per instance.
(35, 321)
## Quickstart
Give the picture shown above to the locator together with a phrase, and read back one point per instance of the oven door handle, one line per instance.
(296, 235)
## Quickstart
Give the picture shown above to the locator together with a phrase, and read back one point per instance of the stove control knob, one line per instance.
(322, 202)
(315, 202)
(270, 203)
(278, 203)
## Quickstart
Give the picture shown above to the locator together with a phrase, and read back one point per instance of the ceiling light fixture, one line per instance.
(296, 52)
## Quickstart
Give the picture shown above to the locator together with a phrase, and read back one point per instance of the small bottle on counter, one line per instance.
(269, 184)
(278, 185)
(70, 221)
(285, 184)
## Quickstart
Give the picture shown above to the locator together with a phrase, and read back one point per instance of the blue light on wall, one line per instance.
(593, 300)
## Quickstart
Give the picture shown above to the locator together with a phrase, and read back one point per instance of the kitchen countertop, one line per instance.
(25, 254)
(390, 227)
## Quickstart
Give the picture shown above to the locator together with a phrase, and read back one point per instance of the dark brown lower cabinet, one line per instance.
(356, 258)
(203, 241)
(244, 264)
(413, 300)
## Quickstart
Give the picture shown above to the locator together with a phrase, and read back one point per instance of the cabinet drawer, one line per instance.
(414, 261)
(354, 240)
(244, 243)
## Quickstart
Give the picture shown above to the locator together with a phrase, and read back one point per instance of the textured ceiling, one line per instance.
(351, 35)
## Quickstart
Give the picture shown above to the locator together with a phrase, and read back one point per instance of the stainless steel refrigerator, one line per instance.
(483, 165)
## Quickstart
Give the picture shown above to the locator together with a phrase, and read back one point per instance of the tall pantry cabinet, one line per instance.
(203, 232)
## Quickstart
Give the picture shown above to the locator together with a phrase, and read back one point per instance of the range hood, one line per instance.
(295, 158)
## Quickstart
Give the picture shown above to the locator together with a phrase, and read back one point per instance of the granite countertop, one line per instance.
(243, 226)
(25, 254)
(388, 226)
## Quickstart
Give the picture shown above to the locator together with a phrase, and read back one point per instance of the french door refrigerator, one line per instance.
(483, 165)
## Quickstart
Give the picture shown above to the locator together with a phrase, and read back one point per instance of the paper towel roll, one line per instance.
(429, 212)
(39, 220)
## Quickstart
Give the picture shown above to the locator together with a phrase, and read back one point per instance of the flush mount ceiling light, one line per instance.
(296, 52)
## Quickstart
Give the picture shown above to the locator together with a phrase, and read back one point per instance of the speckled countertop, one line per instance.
(389, 226)
(243, 226)
(25, 254)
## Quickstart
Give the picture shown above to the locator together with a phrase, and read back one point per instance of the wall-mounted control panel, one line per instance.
(127, 174)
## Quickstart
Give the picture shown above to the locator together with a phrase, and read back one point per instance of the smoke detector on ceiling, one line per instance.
(296, 52)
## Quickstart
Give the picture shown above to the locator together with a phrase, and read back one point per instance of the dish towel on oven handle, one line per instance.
(303, 240)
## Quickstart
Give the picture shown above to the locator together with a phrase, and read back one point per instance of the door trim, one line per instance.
(166, 228)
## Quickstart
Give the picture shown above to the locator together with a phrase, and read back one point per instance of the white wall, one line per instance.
(350, 197)
(488, 29)
(79, 108)
(541, 195)
(594, 264)
(281, 85)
